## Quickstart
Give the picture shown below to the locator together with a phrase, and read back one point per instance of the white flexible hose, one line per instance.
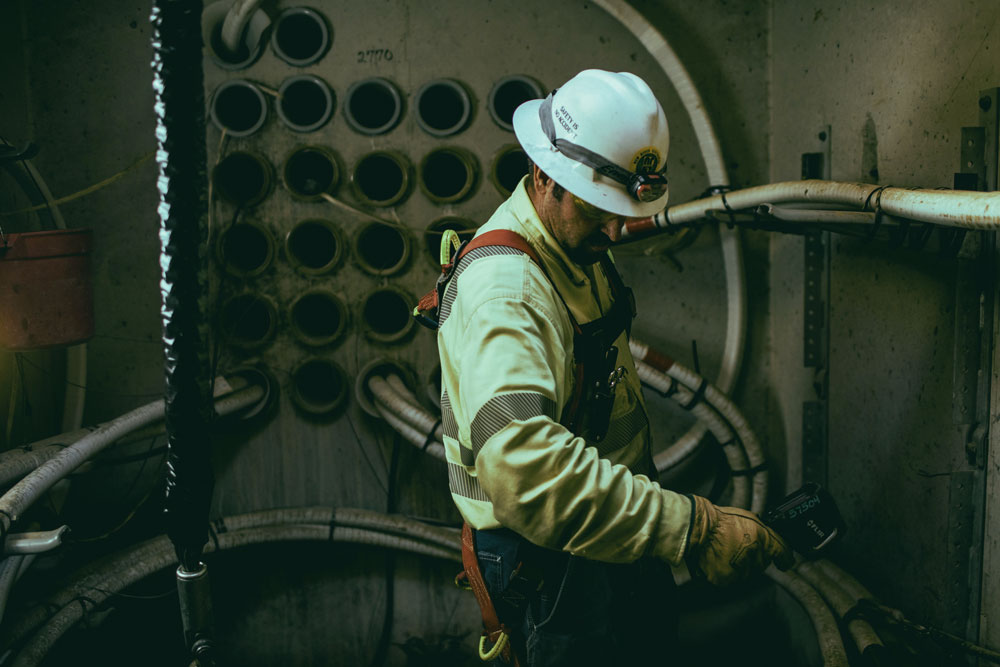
(236, 401)
(59, 441)
(398, 386)
(392, 524)
(735, 418)
(409, 412)
(23, 494)
(715, 167)
(847, 582)
(417, 439)
(831, 646)
(735, 455)
(788, 214)
(842, 603)
(16, 467)
(16, 463)
(728, 410)
(236, 22)
(952, 208)
(133, 565)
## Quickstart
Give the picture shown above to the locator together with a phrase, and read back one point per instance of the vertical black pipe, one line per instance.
(180, 134)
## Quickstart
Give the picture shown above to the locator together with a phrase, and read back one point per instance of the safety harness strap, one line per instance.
(427, 308)
(497, 634)
(600, 334)
(590, 341)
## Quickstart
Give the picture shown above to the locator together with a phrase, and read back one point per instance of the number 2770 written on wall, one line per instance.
(374, 56)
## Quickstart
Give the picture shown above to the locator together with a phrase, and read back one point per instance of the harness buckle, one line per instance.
(616, 376)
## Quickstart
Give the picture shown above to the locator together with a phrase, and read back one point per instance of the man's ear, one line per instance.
(539, 178)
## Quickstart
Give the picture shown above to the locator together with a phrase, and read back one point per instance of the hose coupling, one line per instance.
(194, 594)
(203, 651)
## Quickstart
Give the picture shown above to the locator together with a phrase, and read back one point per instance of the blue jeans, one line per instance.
(574, 611)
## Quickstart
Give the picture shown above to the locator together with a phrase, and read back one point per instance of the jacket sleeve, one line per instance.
(543, 482)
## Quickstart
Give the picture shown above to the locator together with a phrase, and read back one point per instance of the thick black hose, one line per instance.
(180, 134)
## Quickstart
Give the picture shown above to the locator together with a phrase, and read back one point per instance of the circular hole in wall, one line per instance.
(311, 171)
(373, 106)
(238, 107)
(301, 36)
(250, 44)
(509, 166)
(381, 178)
(382, 368)
(249, 320)
(443, 107)
(305, 102)
(432, 235)
(243, 178)
(314, 246)
(245, 249)
(381, 250)
(508, 94)
(318, 317)
(447, 174)
(259, 375)
(386, 313)
(319, 386)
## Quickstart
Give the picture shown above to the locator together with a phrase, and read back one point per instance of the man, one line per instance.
(545, 427)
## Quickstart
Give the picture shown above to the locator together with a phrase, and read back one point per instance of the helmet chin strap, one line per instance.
(642, 187)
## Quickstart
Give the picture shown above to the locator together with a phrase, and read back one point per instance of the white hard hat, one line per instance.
(603, 136)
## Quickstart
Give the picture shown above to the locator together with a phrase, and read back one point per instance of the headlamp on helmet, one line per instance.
(643, 186)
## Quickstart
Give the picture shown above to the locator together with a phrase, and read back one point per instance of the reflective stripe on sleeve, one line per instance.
(463, 484)
(501, 410)
(448, 423)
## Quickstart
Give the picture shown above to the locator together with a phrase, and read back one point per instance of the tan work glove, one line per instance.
(727, 544)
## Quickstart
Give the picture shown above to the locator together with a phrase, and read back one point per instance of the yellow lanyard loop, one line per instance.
(449, 243)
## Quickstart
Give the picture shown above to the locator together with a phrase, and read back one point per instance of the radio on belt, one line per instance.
(807, 519)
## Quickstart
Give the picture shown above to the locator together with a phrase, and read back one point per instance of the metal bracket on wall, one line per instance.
(816, 318)
(961, 521)
(975, 297)
(971, 287)
(975, 286)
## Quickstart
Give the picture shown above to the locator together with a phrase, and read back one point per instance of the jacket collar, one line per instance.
(541, 239)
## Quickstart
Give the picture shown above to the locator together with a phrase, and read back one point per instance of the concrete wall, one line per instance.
(895, 82)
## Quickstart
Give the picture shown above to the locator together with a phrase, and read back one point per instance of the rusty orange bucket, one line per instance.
(46, 294)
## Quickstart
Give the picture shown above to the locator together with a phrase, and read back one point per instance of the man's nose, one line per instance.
(613, 229)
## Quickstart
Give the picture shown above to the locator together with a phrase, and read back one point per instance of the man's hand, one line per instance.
(728, 544)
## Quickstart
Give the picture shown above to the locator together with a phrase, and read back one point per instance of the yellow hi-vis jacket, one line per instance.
(506, 347)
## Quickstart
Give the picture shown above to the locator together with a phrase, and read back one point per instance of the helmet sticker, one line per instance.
(646, 160)
(565, 118)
